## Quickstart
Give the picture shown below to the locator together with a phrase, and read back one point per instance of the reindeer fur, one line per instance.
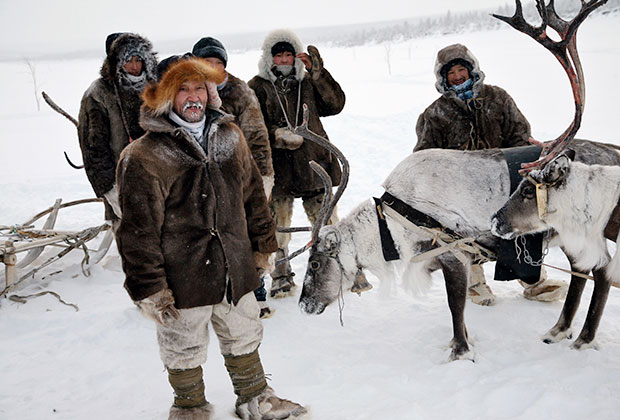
(460, 189)
(581, 199)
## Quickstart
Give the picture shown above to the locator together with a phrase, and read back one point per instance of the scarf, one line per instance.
(195, 129)
(464, 91)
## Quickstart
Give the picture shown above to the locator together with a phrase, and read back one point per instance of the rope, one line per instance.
(22, 299)
(120, 106)
(288, 122)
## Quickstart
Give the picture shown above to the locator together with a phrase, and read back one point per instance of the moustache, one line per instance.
(189, 104)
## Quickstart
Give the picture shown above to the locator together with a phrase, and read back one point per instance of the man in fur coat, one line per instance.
(110, 112)
(471, 115)
(195, 233)
(288, 78)
(239, 100)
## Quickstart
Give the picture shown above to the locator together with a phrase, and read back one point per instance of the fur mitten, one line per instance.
(286, 139)
(317, 62)
(112, 198)
(159, 307)
(265, 263)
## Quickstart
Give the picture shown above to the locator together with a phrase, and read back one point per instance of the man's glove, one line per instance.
(317, 62)
(265, 263)
(159, 307)
(112, 198)
(286, 139)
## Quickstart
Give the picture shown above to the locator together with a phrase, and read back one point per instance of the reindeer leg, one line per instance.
(455, 275)
(602, 284)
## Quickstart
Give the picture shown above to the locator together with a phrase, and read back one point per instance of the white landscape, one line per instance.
(389, 360)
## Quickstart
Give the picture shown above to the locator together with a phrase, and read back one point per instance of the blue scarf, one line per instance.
(464, 91)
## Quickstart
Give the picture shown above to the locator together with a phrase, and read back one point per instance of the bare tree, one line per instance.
(33, 74)
(388, 50)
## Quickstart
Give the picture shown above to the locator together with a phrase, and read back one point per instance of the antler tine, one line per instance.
(303, 131)
(565, 51)
(322, 212)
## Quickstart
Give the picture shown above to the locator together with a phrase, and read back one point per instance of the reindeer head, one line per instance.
(331, 269)
(528, 210)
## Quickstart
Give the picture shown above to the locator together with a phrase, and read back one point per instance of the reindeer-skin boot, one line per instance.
(545, 289)
(189, 395)
(255, 399)
(282, 283)
(478, 291)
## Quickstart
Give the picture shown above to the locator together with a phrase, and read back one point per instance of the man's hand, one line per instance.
(317, 62)
(265, 263)
(286, 139)
(305, 58)
(159, 307)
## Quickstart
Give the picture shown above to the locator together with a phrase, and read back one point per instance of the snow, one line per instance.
(389, 360)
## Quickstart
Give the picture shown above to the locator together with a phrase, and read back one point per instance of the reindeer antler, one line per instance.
(329, 202)
(566, 53)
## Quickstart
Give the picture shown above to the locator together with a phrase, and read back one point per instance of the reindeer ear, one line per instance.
(557, 169)
(331, 242)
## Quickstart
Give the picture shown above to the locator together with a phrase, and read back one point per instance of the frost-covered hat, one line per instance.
(278, 36)
(448, 57)
(110, 39)
(159, 97)
(210, 47)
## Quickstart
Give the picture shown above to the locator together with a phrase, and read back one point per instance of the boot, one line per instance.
(478, 291)
(267, 406)
(189, 395)
(282, 286)
(204, 412)
(360, 284)
(545, 289)
(265, 310)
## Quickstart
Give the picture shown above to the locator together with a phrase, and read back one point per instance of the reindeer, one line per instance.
(453, 193)
(576, 201)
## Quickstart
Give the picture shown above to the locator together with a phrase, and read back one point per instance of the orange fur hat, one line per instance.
(159, 97)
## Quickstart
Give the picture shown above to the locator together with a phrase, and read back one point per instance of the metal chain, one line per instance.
(520, 248)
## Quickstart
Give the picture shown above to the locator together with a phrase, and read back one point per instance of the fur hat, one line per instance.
(159, 97)
(456, 54)
(210, 47)
(110, 39)
(265, 63)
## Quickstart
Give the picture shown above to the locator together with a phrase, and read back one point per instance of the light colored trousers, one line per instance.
(183, 342)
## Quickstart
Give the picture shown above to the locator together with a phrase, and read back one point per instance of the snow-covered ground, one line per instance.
(389, 360)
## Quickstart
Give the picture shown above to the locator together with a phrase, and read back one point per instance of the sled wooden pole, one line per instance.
(9, 259)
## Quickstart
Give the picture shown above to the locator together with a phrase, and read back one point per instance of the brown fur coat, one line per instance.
(490, 119)
(239, 100)
(324, 97)
(101, 129)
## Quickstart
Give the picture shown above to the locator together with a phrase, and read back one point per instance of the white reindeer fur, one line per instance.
(579, 211)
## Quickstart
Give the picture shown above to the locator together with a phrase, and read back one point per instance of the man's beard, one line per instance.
(284, 70)
(194, 115)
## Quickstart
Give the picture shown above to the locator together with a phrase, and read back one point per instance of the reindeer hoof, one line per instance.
(580, 344)
(555, 336)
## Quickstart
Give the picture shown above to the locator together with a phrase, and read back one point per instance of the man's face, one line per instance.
(285, 58)
(191, 101)
(133, 66)
(215, 63)
(457, 75)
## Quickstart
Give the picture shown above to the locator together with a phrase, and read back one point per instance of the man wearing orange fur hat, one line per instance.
(195, 235)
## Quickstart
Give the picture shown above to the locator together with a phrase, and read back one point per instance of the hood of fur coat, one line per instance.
(122, 49)
(266, 60)
(159, 97)
(452, 52)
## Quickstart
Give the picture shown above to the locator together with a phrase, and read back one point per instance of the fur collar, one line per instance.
(449, 53)
(266, 61)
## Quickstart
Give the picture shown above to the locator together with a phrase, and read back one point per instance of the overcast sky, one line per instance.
(36, 26)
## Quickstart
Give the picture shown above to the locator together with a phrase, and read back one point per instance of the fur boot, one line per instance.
(267, 406)
(478, 291)
(189, 395)
(204, 412)
(545, 289)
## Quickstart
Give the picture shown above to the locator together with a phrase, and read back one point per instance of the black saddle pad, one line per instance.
(508, 266)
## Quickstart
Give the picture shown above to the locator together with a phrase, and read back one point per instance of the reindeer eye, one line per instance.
(528, 191)
(315, 265)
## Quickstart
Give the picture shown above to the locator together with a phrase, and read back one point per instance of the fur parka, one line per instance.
(490, 119)
(324, 97)
(101, 129)
(239, 100)
(191, 219)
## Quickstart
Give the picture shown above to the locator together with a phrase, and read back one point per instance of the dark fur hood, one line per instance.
(123, 48)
